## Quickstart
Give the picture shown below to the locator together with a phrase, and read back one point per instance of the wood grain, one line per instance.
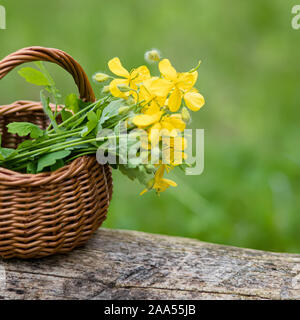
(118, 264)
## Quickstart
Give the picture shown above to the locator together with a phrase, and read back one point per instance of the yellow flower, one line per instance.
(193, 100)
(169, 125)
(173, 150)
(130, 79)
(146, 120)
(179, 85)
(150, 102)
(160, 183)
(173, 122)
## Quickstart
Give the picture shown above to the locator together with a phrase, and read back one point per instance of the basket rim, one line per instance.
(14, 178)
(21, 106)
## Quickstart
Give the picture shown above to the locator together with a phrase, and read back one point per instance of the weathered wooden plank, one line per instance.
(118, 264)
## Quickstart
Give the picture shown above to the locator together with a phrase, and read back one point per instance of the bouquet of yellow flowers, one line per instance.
(136, 125)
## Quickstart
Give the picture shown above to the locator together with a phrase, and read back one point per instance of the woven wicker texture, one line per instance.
(53, 212)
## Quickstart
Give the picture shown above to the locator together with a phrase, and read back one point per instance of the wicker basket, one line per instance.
(47, 213)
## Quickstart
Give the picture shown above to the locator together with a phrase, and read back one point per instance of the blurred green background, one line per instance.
(249, 193)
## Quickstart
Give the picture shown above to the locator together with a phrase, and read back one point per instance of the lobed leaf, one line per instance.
(91, 124)
(22, 129)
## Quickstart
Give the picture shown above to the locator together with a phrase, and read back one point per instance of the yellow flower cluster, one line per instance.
(160, 99)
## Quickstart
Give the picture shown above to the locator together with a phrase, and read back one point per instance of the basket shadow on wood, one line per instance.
(47, 213)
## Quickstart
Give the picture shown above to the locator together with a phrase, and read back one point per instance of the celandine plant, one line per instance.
(136, 125)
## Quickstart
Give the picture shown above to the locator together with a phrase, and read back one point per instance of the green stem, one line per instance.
(91, 106)
(49, 141)
(81, 154)
(51, 135)
(61, 146)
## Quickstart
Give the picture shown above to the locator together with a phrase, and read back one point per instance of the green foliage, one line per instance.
(91, 124)
(31, 167)
(34, 76)
(65, 114)
(5, 153)
(72, 102)
(48, 111)
(138, 173)
(23, 129)
(110, 111)
(51, 158)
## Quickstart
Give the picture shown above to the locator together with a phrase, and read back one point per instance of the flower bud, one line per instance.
(123, 87)
(130, 101)
(105, 90)
(152, 56)
(186, 117)
(100, 77)
(123, 110)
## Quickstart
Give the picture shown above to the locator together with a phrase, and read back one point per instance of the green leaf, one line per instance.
(65, 115)
(22, 129)
(81, 146)
(75, 104)
(82, 104)
(25, 144)
(112, 121)
(72, 102)
(45, 72)
(45, 102)
(59, 164)
(91, 124)
(34, 76)
(50, 159)
(138, 173)
(51, 87)
(110, 111)
(6, 153)
(31, 167)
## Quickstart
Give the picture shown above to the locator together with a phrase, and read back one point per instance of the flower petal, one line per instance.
(144, 191)
(115, 91)
(145, 120)
(177, 158)
(144, 95)
(174, 101)
(195, 75)
(194, 100)
(173, 123)
(161, 87)
(170, 182)
(154, 134)
(151, 108)
(186, 81)
(167, 70)
(143, 74)
(159, 173)
(116, 67)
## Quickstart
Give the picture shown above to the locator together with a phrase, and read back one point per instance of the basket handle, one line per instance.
(50, 55)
